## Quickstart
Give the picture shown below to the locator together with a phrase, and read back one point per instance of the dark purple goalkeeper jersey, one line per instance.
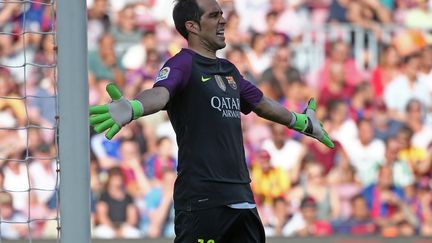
(206, 98)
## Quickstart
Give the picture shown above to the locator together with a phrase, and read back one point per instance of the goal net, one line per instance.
(32, 122)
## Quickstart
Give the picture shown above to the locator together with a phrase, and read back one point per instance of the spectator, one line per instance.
(108, 151)
(162, 161)
(156, 205)
(16, 179)
(342, 128)
(1, 179)
(422, 133)
(258, 55)
(419, 203)
(292, 12)
(415, 156)
(14, 223)
(419, 17)
(104, 63)
(145, 73)
(338, 54)
(44, 55)
(365, 150)
(43, 110)
(135, 56)
(125, 31)
(284, 152)
(43, 175)
(7, 11)
(136, 182)
(248, 10)
(237, 56)
(38, 211)
(360, 222)
(295, 93)
(337, 87)
(312, 225)
(273, 37)
(280, 215)
(424, 169)
(268, 182)
(12, 111)
(402, 7)
(329, 159)
(11, 142)
(319, 10)
(116, 215)
(426, 64)
(384, 126)
(98, 22)
(315, 186)
(405, 87)
(165, 129)
(275, 79)
(338, 11)
(403, 175)
(385, 202)
(361, 105)
(387, 70)
(424, 194)
(96, 183)
(346, 187)
(234, 35)
(368, 14)
(157, 214)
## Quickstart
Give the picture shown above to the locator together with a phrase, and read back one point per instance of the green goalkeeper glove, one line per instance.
(115, 115)
(308, 124)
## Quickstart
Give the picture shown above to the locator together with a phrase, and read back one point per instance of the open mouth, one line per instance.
(220, 33)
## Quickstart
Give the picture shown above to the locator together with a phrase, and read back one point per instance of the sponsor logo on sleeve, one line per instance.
(163, 74)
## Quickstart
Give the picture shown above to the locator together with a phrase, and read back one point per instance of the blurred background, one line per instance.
(367, 62)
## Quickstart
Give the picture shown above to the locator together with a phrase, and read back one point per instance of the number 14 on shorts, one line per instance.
(203, 241)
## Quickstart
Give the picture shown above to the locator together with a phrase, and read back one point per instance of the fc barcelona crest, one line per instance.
(231, 82)
(220, 82)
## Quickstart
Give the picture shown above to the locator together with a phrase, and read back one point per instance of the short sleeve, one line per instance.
(129, 200)
(250, 96)
(175, 74)
(104, 197)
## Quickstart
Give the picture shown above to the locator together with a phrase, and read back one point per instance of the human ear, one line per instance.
(192, 27)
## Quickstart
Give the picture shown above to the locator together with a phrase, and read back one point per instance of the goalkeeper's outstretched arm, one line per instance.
(273, 111)
(153, 100)
(113, 116)
(305, 122)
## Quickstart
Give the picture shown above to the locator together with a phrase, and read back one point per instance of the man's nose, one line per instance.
(222, 20)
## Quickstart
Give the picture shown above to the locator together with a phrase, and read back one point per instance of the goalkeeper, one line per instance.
(204, 96)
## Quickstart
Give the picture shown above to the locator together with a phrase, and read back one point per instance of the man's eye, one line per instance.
(215, 14)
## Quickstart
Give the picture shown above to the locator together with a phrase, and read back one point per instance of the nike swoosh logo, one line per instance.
(205, 79)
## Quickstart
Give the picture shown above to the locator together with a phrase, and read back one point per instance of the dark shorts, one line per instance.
(219, 225)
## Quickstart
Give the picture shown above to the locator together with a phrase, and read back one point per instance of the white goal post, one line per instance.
(73, 122)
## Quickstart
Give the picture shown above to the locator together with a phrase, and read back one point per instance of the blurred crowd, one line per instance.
(377, 180)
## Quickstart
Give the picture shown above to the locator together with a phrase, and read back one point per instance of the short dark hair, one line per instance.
(161, 139)
(357, 197)
(364, 120)
(186, 10)
(406, 59)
